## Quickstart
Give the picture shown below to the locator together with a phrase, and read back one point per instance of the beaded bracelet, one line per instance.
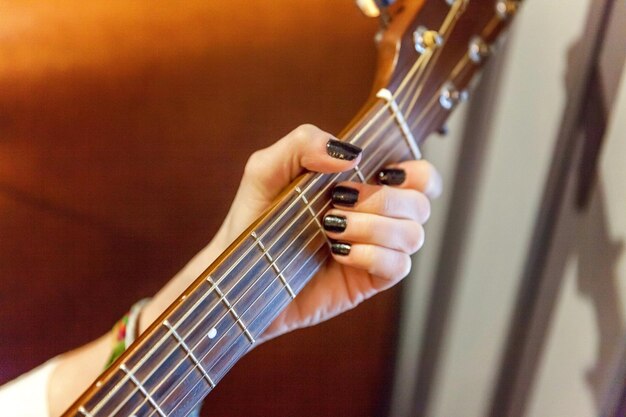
(125, 331)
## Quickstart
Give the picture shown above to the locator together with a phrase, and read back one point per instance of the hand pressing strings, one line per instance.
(374, 228)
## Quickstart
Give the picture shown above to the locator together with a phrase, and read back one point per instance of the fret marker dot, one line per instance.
(212, 333)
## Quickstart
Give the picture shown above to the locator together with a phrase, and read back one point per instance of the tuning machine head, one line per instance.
(478, 50)
(450, 96)
(425, 39)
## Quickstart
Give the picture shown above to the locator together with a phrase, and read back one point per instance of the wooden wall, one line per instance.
(124, 128)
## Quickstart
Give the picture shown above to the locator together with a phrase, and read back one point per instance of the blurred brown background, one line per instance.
(124, 128)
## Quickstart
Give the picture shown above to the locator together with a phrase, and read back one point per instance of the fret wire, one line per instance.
(359, 174)
(143, 390)
(273, 265)
(308, 207)
(355, 138)
(231, 309)
(84, 412)
(190, 353)
(125, 379)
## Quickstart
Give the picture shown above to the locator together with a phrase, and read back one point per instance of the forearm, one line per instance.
(75, 371)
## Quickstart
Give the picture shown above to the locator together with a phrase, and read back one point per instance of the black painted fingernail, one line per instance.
(340, 248)
(342, 150)
(391, 176)
(345, 196)
(333, 223)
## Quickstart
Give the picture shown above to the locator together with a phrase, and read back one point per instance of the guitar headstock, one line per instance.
(429, 51)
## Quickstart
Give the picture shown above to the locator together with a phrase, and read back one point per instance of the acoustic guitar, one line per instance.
(429, 52)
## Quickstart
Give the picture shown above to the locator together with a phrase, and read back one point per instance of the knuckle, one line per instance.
(254, 163)
(305, 131)
(368, 229)
(415, 238)
(387, 204)
(370, 258)
(420, 205)
(398, 267)
(404, 267)
(425, 208)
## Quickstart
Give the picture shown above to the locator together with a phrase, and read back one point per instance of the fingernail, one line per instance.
(340, 248)
(342, 150)
(391, 176)
(333, 223)
(345, 196)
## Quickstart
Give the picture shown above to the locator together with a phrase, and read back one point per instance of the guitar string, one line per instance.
(313, 183)
(99, 405)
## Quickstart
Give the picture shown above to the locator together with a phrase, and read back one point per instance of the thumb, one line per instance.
(270, 170)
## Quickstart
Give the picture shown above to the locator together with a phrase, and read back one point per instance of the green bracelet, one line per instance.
(125, 331)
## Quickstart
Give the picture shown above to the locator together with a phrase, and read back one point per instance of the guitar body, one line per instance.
(115, 123)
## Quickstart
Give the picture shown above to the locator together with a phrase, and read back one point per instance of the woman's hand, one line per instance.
(376, 227)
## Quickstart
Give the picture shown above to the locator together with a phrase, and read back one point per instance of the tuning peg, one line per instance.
(368, 7)
(450, 96)
(424, 39)
(478, 50)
